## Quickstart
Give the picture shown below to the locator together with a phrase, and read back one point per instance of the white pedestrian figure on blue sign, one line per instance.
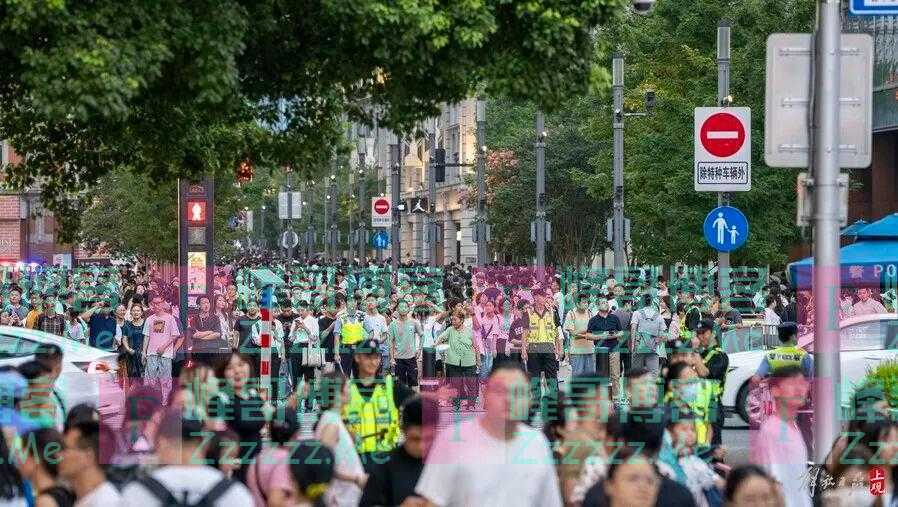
(720, 224)
(733, 234)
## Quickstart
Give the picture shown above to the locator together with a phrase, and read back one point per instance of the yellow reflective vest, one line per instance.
(785, 355)
(374, 423)
(542, 328)
(351, 332)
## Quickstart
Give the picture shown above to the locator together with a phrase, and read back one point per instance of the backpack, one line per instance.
(167, 499)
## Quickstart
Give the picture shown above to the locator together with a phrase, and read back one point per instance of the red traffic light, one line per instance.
(196, 211)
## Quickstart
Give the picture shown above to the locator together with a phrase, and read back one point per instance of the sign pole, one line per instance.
(265, 340)
(290, 214)
(396, 156)
(617, 222)
(723, 92)
(825, 167)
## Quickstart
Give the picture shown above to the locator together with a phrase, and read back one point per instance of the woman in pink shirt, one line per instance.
(268, 478)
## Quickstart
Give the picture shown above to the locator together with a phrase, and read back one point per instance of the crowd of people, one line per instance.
(493, 386)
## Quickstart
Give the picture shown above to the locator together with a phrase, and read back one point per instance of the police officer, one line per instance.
(372, 411)
(787, 354)
(712, 364)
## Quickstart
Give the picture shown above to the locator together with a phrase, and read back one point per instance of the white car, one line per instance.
(88, 373)
(865, 342)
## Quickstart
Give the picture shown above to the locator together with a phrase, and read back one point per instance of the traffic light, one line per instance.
(439, 165)
(196, 211)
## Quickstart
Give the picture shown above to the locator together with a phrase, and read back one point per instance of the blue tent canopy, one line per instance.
(885, 228)
(851, 230)
(871, 261)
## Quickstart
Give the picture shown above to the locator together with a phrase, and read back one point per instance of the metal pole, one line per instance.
(617, 83)
(310, 234)
(395, 168)
(362, 205)
(432, 199)
(826, 168)
(723, 92)
(290, 205)
(327, 217)
(332, 204)
(540, 224)
(262, 242)
(480, 221)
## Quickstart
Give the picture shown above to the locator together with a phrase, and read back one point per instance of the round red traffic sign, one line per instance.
(722, 134)
(381, 206)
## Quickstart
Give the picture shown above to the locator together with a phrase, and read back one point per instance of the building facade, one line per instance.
(455, 131)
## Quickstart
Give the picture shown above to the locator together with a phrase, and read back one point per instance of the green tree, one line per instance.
(672, 52)
(170, 88)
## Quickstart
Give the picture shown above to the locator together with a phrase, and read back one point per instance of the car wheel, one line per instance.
(742, 403)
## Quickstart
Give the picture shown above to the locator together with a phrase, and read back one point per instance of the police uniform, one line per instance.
(717, 363)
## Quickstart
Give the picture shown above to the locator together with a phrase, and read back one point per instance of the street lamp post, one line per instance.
(395, 173)
(540, 225)
(723, 92)
(362, 236)
(432, 198)
(333, 233)
(617, 86)
(481, 231)
(827, 275)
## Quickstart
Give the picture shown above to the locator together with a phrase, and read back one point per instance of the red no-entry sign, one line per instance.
(380, 212)
(723, 134)
(722, 149)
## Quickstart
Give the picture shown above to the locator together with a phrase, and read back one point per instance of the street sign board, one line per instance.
(380, 240)
(417, 205)
(289, 205)
(380, 212)
(726, 228)
(289, 239)
(873, 7)
(787, 100)
(722, 149)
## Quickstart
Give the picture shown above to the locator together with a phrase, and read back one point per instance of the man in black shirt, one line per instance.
(604, 328)
(393, 481)
(244, 328)
(207, 343)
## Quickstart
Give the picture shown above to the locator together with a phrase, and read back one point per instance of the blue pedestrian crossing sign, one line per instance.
(380, 240)
(726, 229)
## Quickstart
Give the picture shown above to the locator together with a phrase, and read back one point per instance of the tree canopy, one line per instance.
(166, 88)
(672, 52)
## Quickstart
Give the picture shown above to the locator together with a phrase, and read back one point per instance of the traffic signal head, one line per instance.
(439, 165)
(196, 211)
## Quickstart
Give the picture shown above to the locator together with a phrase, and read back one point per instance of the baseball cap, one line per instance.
(369, 346)
(705, 325)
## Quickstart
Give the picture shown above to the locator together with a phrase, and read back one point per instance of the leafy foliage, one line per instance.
(167, 88)
(672, 52)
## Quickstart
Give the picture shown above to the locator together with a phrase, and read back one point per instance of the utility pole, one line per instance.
(310, 233)
(481, 231)
(290, 205)
(396, 155)
(362, 235)
(432, 198)
(333, 233)
(327, 218)
(540, 225)
(617, 87)
(723, 99)
(825, 167)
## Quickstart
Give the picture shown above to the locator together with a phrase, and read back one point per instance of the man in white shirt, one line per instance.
(866, 305)
(493, 459)
(304, 333)
(779, 446)
(376, 327)
(79, 464)
(183, 477)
